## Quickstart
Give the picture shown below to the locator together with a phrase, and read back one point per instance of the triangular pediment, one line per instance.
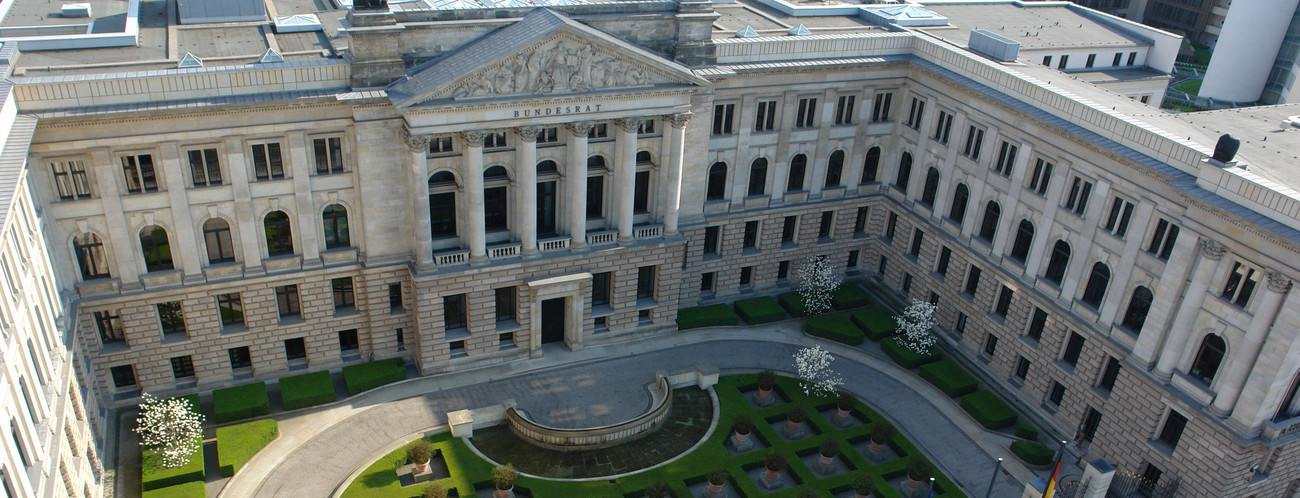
(545, 53)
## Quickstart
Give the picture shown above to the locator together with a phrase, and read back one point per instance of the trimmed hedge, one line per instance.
(1026, 431)
(301, 391)
(368, 376)
(849, 296)
(877, 323)
(837, 328)
(907, 358)
(237, 444)
(989, 410)
(759, 310)
(195, 489)
(1032, 453)
(240, 402)
(713, 315)
(154, 476)
(194, 402)
(950, 378)
(793, 303)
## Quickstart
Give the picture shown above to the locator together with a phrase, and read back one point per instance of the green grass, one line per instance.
(713, 315)
(240, 402)
(949, 377)
(301, 391)
(849, 296)
(877, 323)
(759, 310)
(989, 410)
(837, 328)
(236, 444)
(154, 476)
(1026, 431)
(1190, 87)
(1032, 453)
(907, 358)
(368, 376)
(1203, 54)
(793, 303)
(194, 489)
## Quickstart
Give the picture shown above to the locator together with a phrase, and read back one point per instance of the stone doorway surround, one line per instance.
(574, 287)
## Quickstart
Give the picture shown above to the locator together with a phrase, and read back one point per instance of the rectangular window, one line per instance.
(943, 128)
(600, 287)
(1073, 348)
(1162, 241)
(70, 180)
(231, 308)
(783, 270)
(598, 130)
(110, 327)
(344, 296)
(1077, 200)
(641, 192)
(1173, 429)
(1037, 323)
(907, 284)
(1047, 60)
(1042, 175)
(123, 377)
(442, 145)
(1241, 284)
(891, 225)
(1004, 301)
(498, 140)
(549, 135)
(853, 258)
(723, 114)
(1109, 375)
(348, 342)
(711, 237)
(766, 118)
(139, 172)
(789, 229)
(960, 325)
(934, 298)
(268, 164)
(454, 314)
(457, 349)
(401, 339)
(1121, 213)
(286, 298)
(1065, 60)
(827, 225)
(595, 199)
(751, 235)
(1118, 57)
(880, 107)
(884, 263)
(990, 345)
(1057, 394)
(1022, 368)
(506, 340)
(295, 349)
(918, 237)
(972, 281)
(240, 358)
(974, 141)
(1006, 158)
(860, 221)
(844, 109)
(915, 113)
(645, 282)
(205, 168)
(395, 301)
(172, 318)
(182, 367)
(1092, 59)
(328, 153)
(646, 127)
(706, 282)
(941, 265)
(505, 304)
(746, 276)
(806, 115)
(1132, 58)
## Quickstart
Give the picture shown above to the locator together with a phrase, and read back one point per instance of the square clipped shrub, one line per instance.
(240, 402)
(237, 444)
(1026, 431)
(759, 310)
(1032, 453)
(949, 377)
(301, 391)
(837, 328)
(793, 303)
(368, 376)
(849, 296)
(877, 323)
(154, 476)
(989, 410)
(907, 358)
(713, 315)
(193, 489)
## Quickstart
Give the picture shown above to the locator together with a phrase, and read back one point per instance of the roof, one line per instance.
(1036, 27)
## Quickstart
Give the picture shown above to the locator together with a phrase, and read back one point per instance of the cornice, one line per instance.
(63, 122)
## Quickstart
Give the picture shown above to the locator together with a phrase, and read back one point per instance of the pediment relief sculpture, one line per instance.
(562, 66)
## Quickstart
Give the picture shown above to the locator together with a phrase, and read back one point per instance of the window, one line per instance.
(231, 309)
(335, 218)
(783, 270)
(1065, 60)
(21, 449)
(286, 300)
(442, 203)
(641, 192)
(1109, 374)
(943, 127)
(1004, 301)
(723, 114)
(595, 189)
(70, 180)
(1092, 59)
(1241, 284)
(989, 227)
(1208, 358)
(931, 188)
(1059, 261)
(1022, 368)
(1037, 323)
(1173, 430)
(751, 235)
(907, 284)
(794, 179)
(1119, 56)
(156, 248)
(1047, 60)
(241, 358)
(945, 257)
(139, 172)
(548, 135)
(1077, 200)
(171, 318)
(348, 342)
(789, 229)
(497, 140)
(267, 162)
(805, 116)
(457, 349)
(205, 168)
(1162, 241)
(766, 118)
(757, 177)
(1096, 288)
(870, 165)
(1024, 238)
(645, 282)
(454, 314)
(972, 281)
(860, 221)
(960, 325)
(495, 204)
(1132, 58)
(646, 127)
(1057, 394)
(216, 239)
(1073, 348)
(746, 275)
(853, 258)
(344, 296)
(395, 301)
(1138, 306)
(712, 235)
(934, 298)
(706, 282)
(295, 349)
(1121, 213)
(1006, 158)
(891, 225)
(990, 345)
(834, 168)
(182, 367)
(974, 141)
(716, 187)
(904, 172)
(880, 108)
(110, 327)
(506, 340)
(915, 113)
(960, 196)
(844, 109)
(1042, 175)
(279, 238)
(918, 237)
(505, 304)
(123, 376)
(827, 225)
(600, 287)
(329, 154)
(884, 264)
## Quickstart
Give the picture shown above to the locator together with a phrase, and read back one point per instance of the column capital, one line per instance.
(580, 127)
(1212, 249)
(630, 125)
(679, 120)
(1277, 281)
(416, 143)
(528, 133)
(473, 138)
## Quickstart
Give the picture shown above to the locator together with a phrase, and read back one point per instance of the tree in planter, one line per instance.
(766, 383)
(717, 478)
(435, 490)
(881, 433)
(844, 406)
(817, 280)
(504, 477)
(170, 428)
(659, 489)
(419, 455)
(743, 427)
(914, 325)
(794, 420)
(918, 470)
(862, 485)
(826, 456)
(814, 367)
(774, 463)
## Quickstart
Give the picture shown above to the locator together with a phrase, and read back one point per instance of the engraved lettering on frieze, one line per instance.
(563, 67)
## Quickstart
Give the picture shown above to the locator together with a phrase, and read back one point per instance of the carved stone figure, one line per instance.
(562, 67)
(1226, 149)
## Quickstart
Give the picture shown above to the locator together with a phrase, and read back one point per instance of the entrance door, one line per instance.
(553, 320)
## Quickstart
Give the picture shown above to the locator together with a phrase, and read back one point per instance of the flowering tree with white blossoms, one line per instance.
(170, 428)
(814, 366)
(817, 280)
(914, 326)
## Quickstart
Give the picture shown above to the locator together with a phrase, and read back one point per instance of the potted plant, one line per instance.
(794, 417)
(717, 477)
(844, 402)
(659, 489)
(743, 426)
(880, 435)
(862, 485)
(504, 476)
(774, 463)
(918, 470)
(435, 490)
(419, 455)
(828, 450)
(766, 383)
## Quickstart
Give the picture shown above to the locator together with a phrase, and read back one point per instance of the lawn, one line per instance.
(1190, 87)
(237, 444)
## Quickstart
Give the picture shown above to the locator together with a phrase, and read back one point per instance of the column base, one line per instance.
(1163, 377)
(1218, 412)
(478, 260)
(626, 241)
(529, 252)
(576, 246)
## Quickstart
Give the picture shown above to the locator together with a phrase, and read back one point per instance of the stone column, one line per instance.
(625, 177)
(676, 149)
(526, 172)
(418, 178)
(126, 267)
(577, 180)
(308, 218)
(247, 223)
(187, 242)
(1211, 253)
(472, 169)
(1243, 357)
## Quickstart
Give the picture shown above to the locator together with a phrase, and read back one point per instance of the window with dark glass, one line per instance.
(442, 204)
(918, 237)
(329, 154)
(279, 238)
(766, 118)
(1006, 158)
(794, 180)
(157, 250)
(806, 115)
(941, 265)
(853, 258)
(884, 264)
(1132, 58)
(974, 142)
(1037, 323)
(110, 327)
(972, 281)
(1041, 176)
(496, 207)
(286, 300)
(1073, 348)
(596, 187)
(959, 326)
(240, 358)
(834, 168)
(395, 300)
(641, 192)
(989, 226)
(231, 309)
(123, 376)
(870, 165)
(1022, 368)
(960, 197)
(723, 114)
(990, 345)
(1109, 374)
(1162, 241)
(139, 172)
(70, 180)
(751, 235)
(182, 367)
(1241, 284)
(716, 187)
(1077, 200)
(205, 168)
(172, 318)
(1138, 306)
(454, 313)
(757, 177)
(443, 145)
(344, 295)
(706, 282)
(891, 225)
(1092, 58)
(1024, 239)
(1004, 301)
(1173, 429)
(860, 221)
(880, 106)
(1098, 280)
(931, 188)
(268, 164)
(217, 240)
(746, 275)
(827, 225)
(1208, 358)
(844, 109)
(497, 140)
(1121, 213)
(904, 172)
(943, 127)
(783, 270)
(295, 349)
(1065, 60)
(789, 229)
(600, 288)
(645, 282)
(1118, 57)
(915, 113)
(712, 235)
(1057, 264)
(907, 284)
(335, 219)
(505, 303)
(546, 208)
(1057, 394)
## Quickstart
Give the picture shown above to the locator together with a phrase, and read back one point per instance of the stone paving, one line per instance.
(320, 450)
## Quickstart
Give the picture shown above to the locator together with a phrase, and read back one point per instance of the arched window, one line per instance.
(90, 256)
(798, 164)
(216, 237)
(757, 176)
(496, 195)
(279, 238)
(157, 250)
(960, 196)
(904, 172)
(1024, 239)
(335, 217)
(871, 165)
(1096, 288)
(643, 157)
(442, 203)
(1208, 359)
(596, 187)
(834, 167)
(931, 187)
(1057, 264)
(547, 166)
(1138, 306)
(717, 182)
(548, 175)
(989, 227)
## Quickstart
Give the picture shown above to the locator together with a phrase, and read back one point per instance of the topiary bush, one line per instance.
(240, 402)
(876, 323)
(759, 310)
(301, 391)
(153, 475)
(368, 376)
(849, 296)
(713, 315)
(192, 489)
(1032, 453)
(989, 410)
(793, 303)
(237, 444)
(1026, 431)
(837, 328)
(905, 357)
(949, 377)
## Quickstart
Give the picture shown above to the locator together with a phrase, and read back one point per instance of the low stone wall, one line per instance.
(596, 437)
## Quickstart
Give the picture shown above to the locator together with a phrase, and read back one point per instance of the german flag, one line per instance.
(1051, 483)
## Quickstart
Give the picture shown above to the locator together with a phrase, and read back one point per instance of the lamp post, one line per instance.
(994, 479)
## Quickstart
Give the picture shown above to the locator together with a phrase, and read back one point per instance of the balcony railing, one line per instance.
(553, 244)
(1274, 430)
(503, 251)
(451, 258)
(648, 231)
(602, 238)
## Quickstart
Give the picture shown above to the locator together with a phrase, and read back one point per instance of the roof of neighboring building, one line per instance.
(767, 21)
(1036, 27)
(1269, 148)
(1120, 74)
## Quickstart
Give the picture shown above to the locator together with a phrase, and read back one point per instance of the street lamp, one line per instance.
(993, 479)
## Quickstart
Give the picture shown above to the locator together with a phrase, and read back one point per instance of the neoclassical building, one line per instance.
(461, 184)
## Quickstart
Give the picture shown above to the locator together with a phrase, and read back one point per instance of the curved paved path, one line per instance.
(318, 450)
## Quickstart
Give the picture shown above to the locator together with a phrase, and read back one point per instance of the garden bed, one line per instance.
(237, 444)
(193, 489)
(154, 476)
(759, 310)
(989, 410)
(950, 378)
(793, 303)
(240, 402)
(877, 323)
(301, 391)
(1032, 453)
(713, 315)
(368, 376)
(837, 328)
(907, 358)
(849, 296)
